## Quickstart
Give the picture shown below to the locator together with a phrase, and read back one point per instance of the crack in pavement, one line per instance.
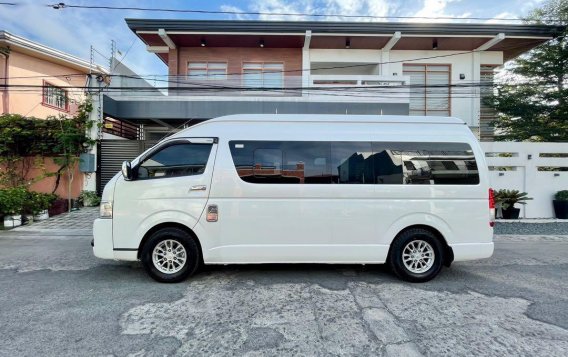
(363, 319)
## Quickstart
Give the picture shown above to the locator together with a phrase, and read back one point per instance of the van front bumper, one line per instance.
(102, 238)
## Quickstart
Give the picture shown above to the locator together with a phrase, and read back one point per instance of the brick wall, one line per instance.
(235, 56)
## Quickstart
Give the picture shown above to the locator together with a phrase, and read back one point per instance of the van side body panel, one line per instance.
(327, 223)
(305, 223)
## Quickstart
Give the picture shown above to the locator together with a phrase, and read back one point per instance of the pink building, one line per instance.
(36, 81)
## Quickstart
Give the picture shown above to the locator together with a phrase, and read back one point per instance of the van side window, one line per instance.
(175, 160)
(380, 163)
(307, 162)
(282, 162)
(352, 163)
(438, 163)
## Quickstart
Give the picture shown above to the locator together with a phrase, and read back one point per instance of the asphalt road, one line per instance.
(56, 299)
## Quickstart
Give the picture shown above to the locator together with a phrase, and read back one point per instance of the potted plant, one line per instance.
(11, 205)
(560, 204)
(505, 201)
(29, 207)
(89, 198)
(42, 202)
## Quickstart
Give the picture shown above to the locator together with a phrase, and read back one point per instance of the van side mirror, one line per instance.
(127, 170)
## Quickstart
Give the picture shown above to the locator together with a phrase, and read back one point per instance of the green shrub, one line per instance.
(12, 200)
(561, 195)
(89, 198)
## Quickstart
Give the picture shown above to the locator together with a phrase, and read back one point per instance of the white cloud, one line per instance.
(326, 7)
(283, 7)
(436, 8)
(358, 7)
(503, 15)
(74, 31)
(230, 8)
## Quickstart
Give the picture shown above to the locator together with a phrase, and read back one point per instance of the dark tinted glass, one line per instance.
(307, 161)
(437, 163)
(352, 163)
(176, 160)
(387, 164)
(355, 162)
(281, 162)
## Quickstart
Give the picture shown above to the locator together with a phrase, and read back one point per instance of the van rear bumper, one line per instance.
(102, 238)
(472, 251)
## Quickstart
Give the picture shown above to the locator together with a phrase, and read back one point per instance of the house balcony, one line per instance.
(332, 88)
(181, 97)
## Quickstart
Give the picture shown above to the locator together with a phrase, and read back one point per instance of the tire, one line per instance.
(174, 239)
(424, 269)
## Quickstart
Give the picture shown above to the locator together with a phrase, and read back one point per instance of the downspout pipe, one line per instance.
(5, 52)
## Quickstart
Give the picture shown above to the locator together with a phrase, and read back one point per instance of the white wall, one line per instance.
(540, 185)
(465, 102)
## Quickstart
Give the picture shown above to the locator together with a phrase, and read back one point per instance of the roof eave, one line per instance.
(18, 42)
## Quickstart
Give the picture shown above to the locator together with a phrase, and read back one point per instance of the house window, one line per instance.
(429, 89)
(207, 70)
(55, 97)
(487, 114)
(263, 75)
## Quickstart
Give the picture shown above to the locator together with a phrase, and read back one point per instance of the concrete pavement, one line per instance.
(57, 299)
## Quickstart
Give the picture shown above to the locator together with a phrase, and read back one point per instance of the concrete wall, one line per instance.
(522, 173)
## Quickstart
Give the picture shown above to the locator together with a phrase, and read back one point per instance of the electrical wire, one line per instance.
(288, 71)
(124, 56)
(59, 6)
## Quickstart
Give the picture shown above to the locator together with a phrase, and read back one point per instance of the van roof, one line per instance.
(334, 118)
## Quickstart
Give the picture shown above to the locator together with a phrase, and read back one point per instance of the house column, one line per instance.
(475, 98)
(385, 53)
(306, 63)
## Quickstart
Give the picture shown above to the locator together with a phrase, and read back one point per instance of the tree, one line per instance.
(532, 103)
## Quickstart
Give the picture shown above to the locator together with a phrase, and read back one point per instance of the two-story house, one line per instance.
(40, 81)
(228, 67)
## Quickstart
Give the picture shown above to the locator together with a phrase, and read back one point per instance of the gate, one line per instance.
(111, 154)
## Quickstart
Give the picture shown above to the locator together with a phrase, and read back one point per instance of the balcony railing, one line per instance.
(357, 88)
(122, 129)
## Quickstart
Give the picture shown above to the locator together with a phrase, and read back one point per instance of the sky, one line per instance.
(75, 30)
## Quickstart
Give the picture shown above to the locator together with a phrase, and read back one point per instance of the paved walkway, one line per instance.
(73, 223)
(81, 222)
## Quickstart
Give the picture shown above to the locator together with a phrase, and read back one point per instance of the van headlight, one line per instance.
(106, 209)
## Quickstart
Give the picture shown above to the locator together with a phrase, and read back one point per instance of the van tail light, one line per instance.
(212, 213)
(491, 207)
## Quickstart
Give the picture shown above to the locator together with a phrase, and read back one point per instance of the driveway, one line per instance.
(56, 299)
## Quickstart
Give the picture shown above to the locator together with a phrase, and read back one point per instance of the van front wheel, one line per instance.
(170, 255)
(416, 255)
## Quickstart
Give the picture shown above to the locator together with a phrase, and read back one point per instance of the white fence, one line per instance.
(535, 168)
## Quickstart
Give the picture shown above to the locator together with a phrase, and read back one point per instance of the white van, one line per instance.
(412, 192)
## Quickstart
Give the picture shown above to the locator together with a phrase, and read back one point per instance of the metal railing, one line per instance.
(122, 129)
(368, 88)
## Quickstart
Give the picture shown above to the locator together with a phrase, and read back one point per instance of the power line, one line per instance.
(280, 71)
(124, 56)
(59, 6)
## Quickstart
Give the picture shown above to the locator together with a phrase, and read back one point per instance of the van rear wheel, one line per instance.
(170, 255)
(416, 255)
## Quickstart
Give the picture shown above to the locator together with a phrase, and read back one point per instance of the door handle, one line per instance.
(198, 188)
